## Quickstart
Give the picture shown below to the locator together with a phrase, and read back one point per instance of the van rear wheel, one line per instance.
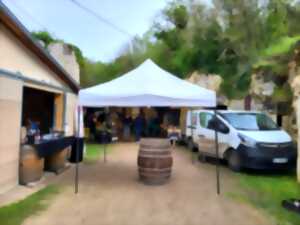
(234, 161)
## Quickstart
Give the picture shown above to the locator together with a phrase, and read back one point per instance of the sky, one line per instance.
(98, 41)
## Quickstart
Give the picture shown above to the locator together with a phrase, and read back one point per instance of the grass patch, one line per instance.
(266, 192)
(94, 152)
(16, 213)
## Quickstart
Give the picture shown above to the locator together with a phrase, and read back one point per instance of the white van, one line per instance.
(246, 139)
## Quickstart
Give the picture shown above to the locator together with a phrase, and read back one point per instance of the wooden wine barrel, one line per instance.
(56, 162)
(31, 167)
(154, 160)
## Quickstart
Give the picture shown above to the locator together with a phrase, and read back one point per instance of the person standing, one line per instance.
(92, 121)
(139, 126)
(173, 134)
(126, 127)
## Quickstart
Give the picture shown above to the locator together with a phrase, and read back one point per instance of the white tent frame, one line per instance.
(127, 98)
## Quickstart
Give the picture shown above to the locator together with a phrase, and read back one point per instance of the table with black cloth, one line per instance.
(77, 150)
(45, 148)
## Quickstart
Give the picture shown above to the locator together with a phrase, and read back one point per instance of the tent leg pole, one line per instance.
(104, 153)
(218, 159)
(77, 168)
(77, 153)
(192, 133)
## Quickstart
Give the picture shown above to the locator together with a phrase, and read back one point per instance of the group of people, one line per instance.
(138, 126)
(100, 127)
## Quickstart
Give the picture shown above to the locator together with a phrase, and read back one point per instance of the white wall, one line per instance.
(70, 112)
(15, 57)
(10, 123)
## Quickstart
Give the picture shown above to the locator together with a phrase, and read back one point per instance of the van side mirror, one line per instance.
(215, 124)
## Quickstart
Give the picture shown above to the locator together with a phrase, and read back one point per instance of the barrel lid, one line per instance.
(155, 142)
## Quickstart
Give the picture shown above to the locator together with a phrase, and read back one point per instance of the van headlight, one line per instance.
(247, 141)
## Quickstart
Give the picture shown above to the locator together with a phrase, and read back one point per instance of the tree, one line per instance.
(226, 39)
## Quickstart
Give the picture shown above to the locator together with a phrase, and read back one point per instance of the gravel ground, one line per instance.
(110, 194)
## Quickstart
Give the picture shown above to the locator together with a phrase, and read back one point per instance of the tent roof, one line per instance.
(147, 85)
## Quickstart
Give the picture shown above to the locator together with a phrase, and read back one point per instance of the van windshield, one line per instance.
(250, 121)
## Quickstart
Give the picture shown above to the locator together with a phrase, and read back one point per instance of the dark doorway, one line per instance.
(38, 106)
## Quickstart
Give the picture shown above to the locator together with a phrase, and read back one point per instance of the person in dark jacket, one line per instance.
(139, 126)
(127, 121)
(92, 120)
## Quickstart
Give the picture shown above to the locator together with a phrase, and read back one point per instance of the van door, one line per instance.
(206, 136)
(194, 125)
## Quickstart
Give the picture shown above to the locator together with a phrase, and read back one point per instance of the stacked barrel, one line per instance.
(31, 165)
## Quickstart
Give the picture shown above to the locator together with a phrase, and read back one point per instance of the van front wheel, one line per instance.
(234, 161)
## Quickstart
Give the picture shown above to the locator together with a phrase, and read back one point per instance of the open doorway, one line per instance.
(44, 108)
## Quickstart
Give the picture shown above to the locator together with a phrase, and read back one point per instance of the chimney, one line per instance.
(65, 56)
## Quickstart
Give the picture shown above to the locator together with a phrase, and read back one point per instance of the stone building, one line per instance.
(33, 85)
(65, 56)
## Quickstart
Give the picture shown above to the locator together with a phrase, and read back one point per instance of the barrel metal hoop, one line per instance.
(160, 147)
(155, 169)
(155, 156)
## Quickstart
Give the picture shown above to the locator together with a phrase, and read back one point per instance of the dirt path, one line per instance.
(110, 194)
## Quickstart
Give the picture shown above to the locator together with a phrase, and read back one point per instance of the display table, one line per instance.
(46, 148)
(50, 155)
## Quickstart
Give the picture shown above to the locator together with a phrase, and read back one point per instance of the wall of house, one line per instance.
(15, 57)
(10, 123)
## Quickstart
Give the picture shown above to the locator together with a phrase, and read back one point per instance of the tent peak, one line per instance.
(148, 62)
(147, 85)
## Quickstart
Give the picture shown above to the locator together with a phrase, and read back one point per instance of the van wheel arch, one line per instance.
(191, 144)
(233, 160)
(226, 153)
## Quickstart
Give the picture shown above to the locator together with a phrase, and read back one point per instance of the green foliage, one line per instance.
(16, 213)
(44, 36)
(273, 62)
(177, 14)
(79, 56)
(282, 94)
(232, 38)
(266, 192)
(47, 38)
(276, 19)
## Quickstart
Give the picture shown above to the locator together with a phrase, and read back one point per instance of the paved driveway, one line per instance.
(110, 194)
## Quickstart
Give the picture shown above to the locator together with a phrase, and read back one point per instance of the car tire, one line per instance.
(234, 161)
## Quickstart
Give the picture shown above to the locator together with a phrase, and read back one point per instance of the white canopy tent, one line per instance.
(145, 86)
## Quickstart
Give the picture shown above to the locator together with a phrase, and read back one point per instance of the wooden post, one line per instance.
(218, 159)
(77, 150)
